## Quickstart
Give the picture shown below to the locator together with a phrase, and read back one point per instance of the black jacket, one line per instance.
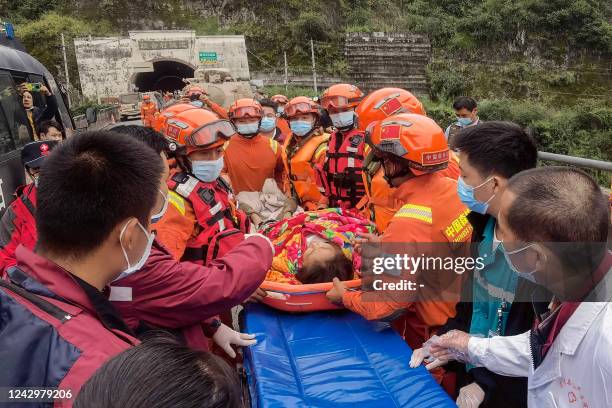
(500, 391)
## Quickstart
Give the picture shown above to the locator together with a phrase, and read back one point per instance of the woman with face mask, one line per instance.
(305, 149)
(202, 220)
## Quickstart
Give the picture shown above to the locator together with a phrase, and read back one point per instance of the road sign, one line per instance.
(208, 57)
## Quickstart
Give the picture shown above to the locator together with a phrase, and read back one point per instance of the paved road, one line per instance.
(127, 122)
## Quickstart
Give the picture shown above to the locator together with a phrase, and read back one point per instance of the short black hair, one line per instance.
(503, 148)
(89, 184)
(325, 271)
(558, 204)
(464, 102)
(43, 127)
(269, 103)
(160, 373)
(148, 136)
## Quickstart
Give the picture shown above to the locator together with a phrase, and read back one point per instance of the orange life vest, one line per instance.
(215, 214)
(299, 161)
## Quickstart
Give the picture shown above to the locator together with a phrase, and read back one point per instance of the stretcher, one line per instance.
(302, 298)
(331, 359)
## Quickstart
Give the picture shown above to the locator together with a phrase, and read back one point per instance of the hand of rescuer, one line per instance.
(470, 396)
(225, 337)
(452, 345)
(257, 296)
(365, 238)
(421, 354)
(337, 292)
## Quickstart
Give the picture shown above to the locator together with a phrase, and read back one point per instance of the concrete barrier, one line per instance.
(104, 117)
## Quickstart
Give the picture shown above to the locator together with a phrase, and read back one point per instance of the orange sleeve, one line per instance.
(176, 227)
(280, 172)
(372, 310)
(218, 109)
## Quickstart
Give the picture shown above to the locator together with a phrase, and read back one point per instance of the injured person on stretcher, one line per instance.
(316, 246)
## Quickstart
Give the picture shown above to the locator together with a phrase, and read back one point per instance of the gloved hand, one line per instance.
(451, 346)
(470, 396)
(225, 337)
(421, 354)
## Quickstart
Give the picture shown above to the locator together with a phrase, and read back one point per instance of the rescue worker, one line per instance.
(200, 97)
(281, 122)
(414, 151)
(202, 221)
(251, 158)
(148, 110)
(168, 98)
(305, 148)
(271, 121)
(184, 296)
(466, 111)
(58, 326)
(339, 178)
(170, 111)
(18, 225)
(566, 354)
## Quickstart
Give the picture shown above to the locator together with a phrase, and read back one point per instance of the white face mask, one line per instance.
(155, 218)
(145, 255)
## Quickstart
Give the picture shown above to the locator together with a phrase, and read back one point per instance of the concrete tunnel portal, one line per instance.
(167, 75)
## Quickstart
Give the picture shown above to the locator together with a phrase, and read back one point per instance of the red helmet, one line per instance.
(341, 96)
(412, 137)
(385, 102)
(300, 105)
(245, 108)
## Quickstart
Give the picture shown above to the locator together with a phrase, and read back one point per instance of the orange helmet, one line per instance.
(146, 97)
(195, 90)
(415, 138)
(300, 105)
(385, 102)
(169, 112)
(198, 129)
(245, 108)
(341, 96)
(280, 99)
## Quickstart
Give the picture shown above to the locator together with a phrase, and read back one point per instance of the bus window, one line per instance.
(14, 117)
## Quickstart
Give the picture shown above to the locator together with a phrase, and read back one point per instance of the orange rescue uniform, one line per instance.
(147, 113)
(300, 158)
(249, 162)
(431, 212)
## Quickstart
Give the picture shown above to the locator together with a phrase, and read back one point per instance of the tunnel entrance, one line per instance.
(166, 76)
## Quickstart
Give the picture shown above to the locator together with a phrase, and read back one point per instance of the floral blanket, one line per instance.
(289, 238)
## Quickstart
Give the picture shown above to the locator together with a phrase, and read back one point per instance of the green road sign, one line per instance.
(208, 57)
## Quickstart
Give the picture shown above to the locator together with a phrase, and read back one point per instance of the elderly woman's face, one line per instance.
(319, 251)
(28, 101)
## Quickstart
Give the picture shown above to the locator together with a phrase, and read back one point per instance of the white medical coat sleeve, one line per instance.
(504, 355)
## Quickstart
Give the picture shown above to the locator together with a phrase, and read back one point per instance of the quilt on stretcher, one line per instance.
(332, 359)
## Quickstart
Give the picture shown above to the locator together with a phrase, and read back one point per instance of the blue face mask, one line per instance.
(343, 119)
(465, 121)
(247, 129)
(207, 170)
(300, 127)
(466, 195)
(267, 124)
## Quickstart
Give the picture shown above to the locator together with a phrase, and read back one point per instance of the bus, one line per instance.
(17, 67)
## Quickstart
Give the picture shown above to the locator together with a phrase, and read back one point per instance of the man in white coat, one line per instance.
(553, 224)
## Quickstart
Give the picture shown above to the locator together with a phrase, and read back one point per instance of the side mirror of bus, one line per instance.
(91, 115)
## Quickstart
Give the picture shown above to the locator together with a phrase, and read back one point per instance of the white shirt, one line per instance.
(577, 369)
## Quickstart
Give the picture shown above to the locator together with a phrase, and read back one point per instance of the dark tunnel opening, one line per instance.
(166, 76)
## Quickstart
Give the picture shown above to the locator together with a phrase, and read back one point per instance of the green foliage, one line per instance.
(290, 92)
(82, 108)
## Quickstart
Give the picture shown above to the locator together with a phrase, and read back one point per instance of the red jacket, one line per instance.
(41, 349)
(172, 295)
(18, 225)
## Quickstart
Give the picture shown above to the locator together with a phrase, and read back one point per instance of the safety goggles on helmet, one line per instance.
(211, 133)
(338, 102)
(293, 109)
(246, 112)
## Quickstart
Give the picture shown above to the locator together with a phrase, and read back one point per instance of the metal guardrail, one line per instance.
(576, 161)
(104, 117)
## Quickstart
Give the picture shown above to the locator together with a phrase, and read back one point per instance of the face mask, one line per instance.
(35, 181)
(530, 276)
(267, 124)
(343, 119)
(496, 241)
(207, 170)
(280, 110)
(300, 127)
(145, 255)
(155, 218)
(247, 129)
(466, 195)
(465, 121)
